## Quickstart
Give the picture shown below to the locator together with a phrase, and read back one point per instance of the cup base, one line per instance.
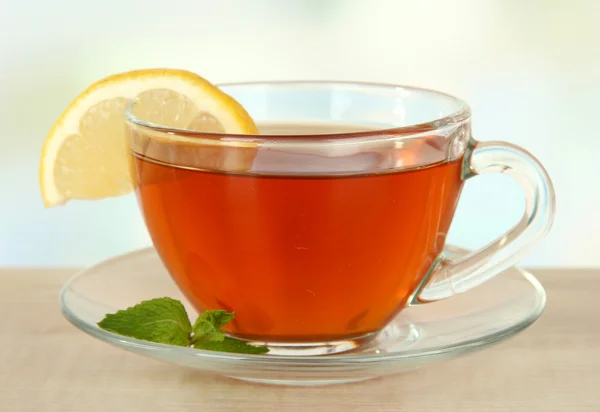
(314, 348)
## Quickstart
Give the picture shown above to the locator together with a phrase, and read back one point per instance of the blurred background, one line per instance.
(529, 69)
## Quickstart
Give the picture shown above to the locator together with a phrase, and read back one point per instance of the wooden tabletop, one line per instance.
(48, 365)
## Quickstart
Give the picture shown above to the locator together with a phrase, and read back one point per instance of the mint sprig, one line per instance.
(165, 320)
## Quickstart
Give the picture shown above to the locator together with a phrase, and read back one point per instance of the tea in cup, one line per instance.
(322, 228)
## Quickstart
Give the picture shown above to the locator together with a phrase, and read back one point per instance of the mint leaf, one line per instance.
(230, 345)
(208, 335)
(164, 320)
(161, 320)
(207, 327)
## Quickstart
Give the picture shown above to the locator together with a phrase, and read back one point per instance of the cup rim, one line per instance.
(460, 115)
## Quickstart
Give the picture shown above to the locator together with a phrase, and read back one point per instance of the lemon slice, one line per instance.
(85, 154)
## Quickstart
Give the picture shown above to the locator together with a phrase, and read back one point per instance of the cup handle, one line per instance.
(448, 277)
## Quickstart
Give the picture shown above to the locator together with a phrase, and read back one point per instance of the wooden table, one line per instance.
(48, 365)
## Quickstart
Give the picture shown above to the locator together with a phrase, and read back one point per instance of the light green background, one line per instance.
(529, 69)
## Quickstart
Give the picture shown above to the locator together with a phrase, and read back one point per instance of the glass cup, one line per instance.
(319, 230)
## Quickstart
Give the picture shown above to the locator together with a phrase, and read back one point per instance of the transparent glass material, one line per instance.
(385, 129)
(356, 130)
(417, 337)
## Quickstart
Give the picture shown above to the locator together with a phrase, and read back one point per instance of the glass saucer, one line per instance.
(417, 337)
